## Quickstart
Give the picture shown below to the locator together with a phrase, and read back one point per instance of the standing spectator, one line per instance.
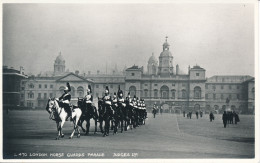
(190, 114)
(183, 113)
(211, 116)
(231, 117)
(197, 114)
(236, 117)
(201, 114)
(225, 118)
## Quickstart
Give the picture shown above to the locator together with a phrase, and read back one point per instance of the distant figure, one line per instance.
(236, 117)
(197, 114)
(231, 116)
(161, 110)
(183, 113)
(190, 114)
(225, 118)
(211, 116)
(154, 111)
(201, 113)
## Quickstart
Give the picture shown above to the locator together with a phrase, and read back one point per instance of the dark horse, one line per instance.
(101, 112)
(120, 117)
(87, 115)
(107, 115)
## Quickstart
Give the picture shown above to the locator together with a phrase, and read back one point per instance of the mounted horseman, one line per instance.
(89, 103)
(65, 101)
(89, 111)
(59, 110)
(129, 108)
(116, 115)
(123, 109)
(107, 102)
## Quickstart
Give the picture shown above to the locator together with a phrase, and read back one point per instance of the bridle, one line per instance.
(54, 110)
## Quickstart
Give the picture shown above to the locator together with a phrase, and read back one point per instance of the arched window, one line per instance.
(72, 92)
(173, 91)
(80, 91)
(146, 93)
(197, 107)
(164, 92)
(197, 92)
(132, 91)
(183, 94)
(155, 93)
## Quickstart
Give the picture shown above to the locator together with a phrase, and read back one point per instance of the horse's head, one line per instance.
(51, 104)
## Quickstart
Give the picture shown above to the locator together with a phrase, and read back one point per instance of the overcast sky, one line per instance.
(218, 37)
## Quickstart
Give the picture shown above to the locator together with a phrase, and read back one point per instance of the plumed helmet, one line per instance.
(134, 96)
(89, 88)
(66, 89)
(119, 91)
(107, 89)
(114, 93)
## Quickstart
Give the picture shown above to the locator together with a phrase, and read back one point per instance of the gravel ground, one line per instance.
(31, 135)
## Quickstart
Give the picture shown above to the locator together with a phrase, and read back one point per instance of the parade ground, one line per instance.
(31, 135)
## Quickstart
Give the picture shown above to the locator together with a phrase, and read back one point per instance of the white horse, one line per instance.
(59, 115)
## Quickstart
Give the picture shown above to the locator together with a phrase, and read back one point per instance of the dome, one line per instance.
(166, 44)
(59, 59)
(166, 53)
(152, 59)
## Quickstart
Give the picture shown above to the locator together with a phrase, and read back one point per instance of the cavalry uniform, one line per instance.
(114, 102)
(107, 106)
(65, 100)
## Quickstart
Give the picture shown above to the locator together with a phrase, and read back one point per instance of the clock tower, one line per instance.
(165, 61)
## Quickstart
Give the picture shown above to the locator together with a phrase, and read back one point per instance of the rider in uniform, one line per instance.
(107, 103)
(65, 101)
(89, 102)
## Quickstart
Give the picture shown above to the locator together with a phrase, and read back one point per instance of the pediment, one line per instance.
(71, 77)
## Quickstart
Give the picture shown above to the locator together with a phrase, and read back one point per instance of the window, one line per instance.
(51, 86)
(22, 88)
(222, 86)
(214, 86)
(183, 93)
(133, 74)
(97, 86)
(197, 92)
(207, 96)
(238, 96)
(31, 85)
(173, 94)
(104, 86)
(145, 93)
(214, 96)
(145, 84)
(223, 79)
(222, 96)
(111, 86)
(39, 95)
(155, 93)
(183, 84)
(51, 95)
(230, 87)
(45, 86)
(40, 86)
(22, 95)
(197, 74)
(30, 95)
(45, 95)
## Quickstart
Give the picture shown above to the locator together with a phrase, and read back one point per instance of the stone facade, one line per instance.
(161, 85)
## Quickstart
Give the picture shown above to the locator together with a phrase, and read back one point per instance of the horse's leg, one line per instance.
(58, 129)
(101, 125)
(81, 120)
(87, 126)
(95, 126)
(74, 129)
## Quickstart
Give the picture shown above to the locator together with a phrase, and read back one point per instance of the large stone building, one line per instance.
(163, 84)
(11, 86)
